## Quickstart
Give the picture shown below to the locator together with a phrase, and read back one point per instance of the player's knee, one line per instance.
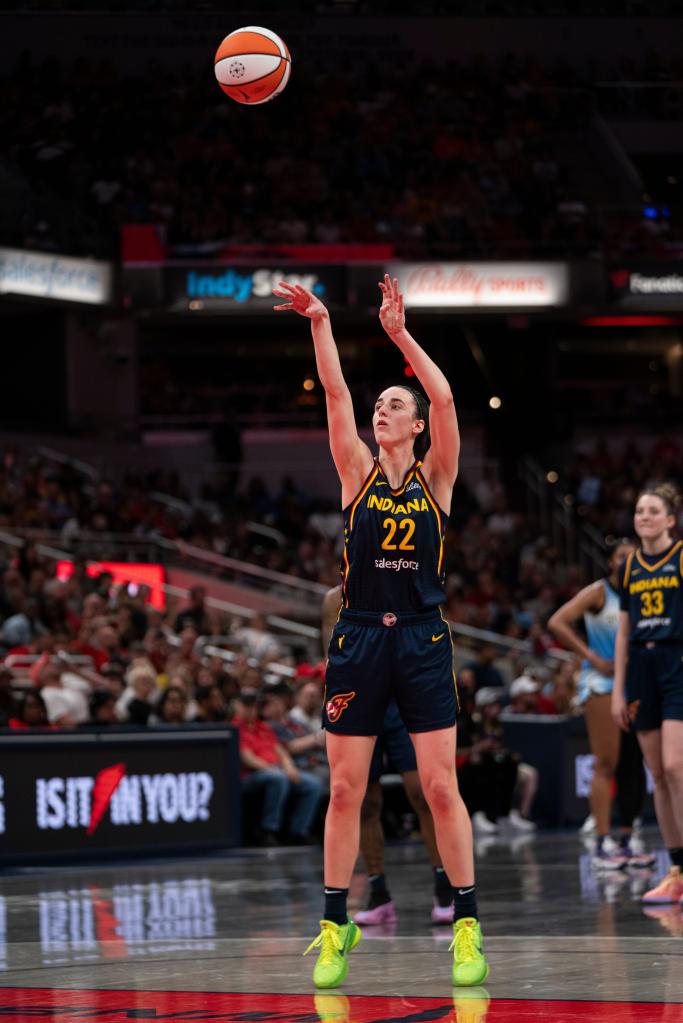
(672, 771)
(344, 794)
(605, 766)
(659, 776)
(441, 792)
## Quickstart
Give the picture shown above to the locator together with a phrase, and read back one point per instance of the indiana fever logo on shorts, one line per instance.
(633, 708)
(337, 705)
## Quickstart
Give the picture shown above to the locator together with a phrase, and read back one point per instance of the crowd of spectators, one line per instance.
(82, 652)
(90, 148)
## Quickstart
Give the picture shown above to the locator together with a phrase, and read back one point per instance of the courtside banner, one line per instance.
(42, 275)
(650, 286)
(80, 793)
(482, 285)
(249, 287)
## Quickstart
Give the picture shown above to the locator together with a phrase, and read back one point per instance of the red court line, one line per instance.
(472, 1005)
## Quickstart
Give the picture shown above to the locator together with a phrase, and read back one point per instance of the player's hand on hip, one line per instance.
(391, 313)
(299, 300)
(620, 712)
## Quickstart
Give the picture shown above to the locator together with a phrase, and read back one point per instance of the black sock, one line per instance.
(677, 856)
(464, 902)
(442, 887)
(379, 893)
(624, 838)
(335, 905)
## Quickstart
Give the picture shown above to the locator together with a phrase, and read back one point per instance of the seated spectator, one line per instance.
(172, 707)
(484, 671)
(136, 703)
(526, 698)
(308, 705)
(305, 746)
(257, 641)
(8, 702)
(487, 771)
(210, 704)
(22, 628)
(561, 689)
(31, 712)
(195, 614)
(268, 768)
(65, 706)
(102, 708)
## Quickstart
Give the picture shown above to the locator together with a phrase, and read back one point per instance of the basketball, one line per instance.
(252, 65)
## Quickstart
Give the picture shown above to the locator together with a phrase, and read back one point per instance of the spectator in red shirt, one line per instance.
(267, 767)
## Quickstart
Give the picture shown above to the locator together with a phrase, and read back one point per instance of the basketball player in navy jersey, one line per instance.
(390, 638)
(617, 754)
(648, 673)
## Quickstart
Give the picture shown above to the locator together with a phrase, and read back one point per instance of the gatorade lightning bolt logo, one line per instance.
(106, 784)
(337, 705)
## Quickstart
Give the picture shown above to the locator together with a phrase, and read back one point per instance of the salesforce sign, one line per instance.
(241, 288)
(40, 275)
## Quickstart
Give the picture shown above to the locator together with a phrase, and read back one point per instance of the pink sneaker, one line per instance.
(669, 890)
(442, 914)
(384, 914)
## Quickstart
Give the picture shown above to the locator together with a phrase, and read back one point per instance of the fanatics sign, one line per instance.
(656, 286)
(482, 285)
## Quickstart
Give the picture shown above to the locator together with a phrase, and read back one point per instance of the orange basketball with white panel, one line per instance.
(252, 65)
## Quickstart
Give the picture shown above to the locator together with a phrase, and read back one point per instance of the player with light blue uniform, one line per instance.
(615, 754)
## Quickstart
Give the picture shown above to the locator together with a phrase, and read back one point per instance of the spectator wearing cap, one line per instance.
(308, 705)
(305, 745)
(526, 698)
(268, 768)
(487, 771)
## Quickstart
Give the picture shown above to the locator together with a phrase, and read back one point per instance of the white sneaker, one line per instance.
(515, 820)
(588, 826)
(482, 824)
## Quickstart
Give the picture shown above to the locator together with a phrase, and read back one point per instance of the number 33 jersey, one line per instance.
(651, 593)
(393, 546)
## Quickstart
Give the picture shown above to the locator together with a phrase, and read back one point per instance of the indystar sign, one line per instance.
(482, 285)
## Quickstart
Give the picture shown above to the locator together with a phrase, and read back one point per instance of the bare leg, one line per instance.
(416, 798)
(665, 797)
(672, 762)
(604, 739)
(371, 831)
(349, 757)
(435, 753)
(527, 783)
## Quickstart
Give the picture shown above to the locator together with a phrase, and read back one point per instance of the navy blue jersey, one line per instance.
(393, 546)
(651, 592)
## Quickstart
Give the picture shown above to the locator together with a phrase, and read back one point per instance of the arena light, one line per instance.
(309, 384)
(552, 476)
(495, 402)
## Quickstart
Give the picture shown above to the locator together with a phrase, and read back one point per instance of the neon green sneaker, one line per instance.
(469, 962)
(335, 941)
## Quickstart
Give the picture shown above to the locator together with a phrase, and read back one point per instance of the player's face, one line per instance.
(619, 555)
(652, 519)
(394, 420)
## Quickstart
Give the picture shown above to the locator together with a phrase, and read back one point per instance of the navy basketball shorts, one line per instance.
(394, 750)
(374, 656)
(654, 684)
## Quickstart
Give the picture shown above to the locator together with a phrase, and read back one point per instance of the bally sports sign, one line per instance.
(482, 285)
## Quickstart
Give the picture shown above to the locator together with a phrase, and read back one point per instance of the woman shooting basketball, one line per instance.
(390, 638)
